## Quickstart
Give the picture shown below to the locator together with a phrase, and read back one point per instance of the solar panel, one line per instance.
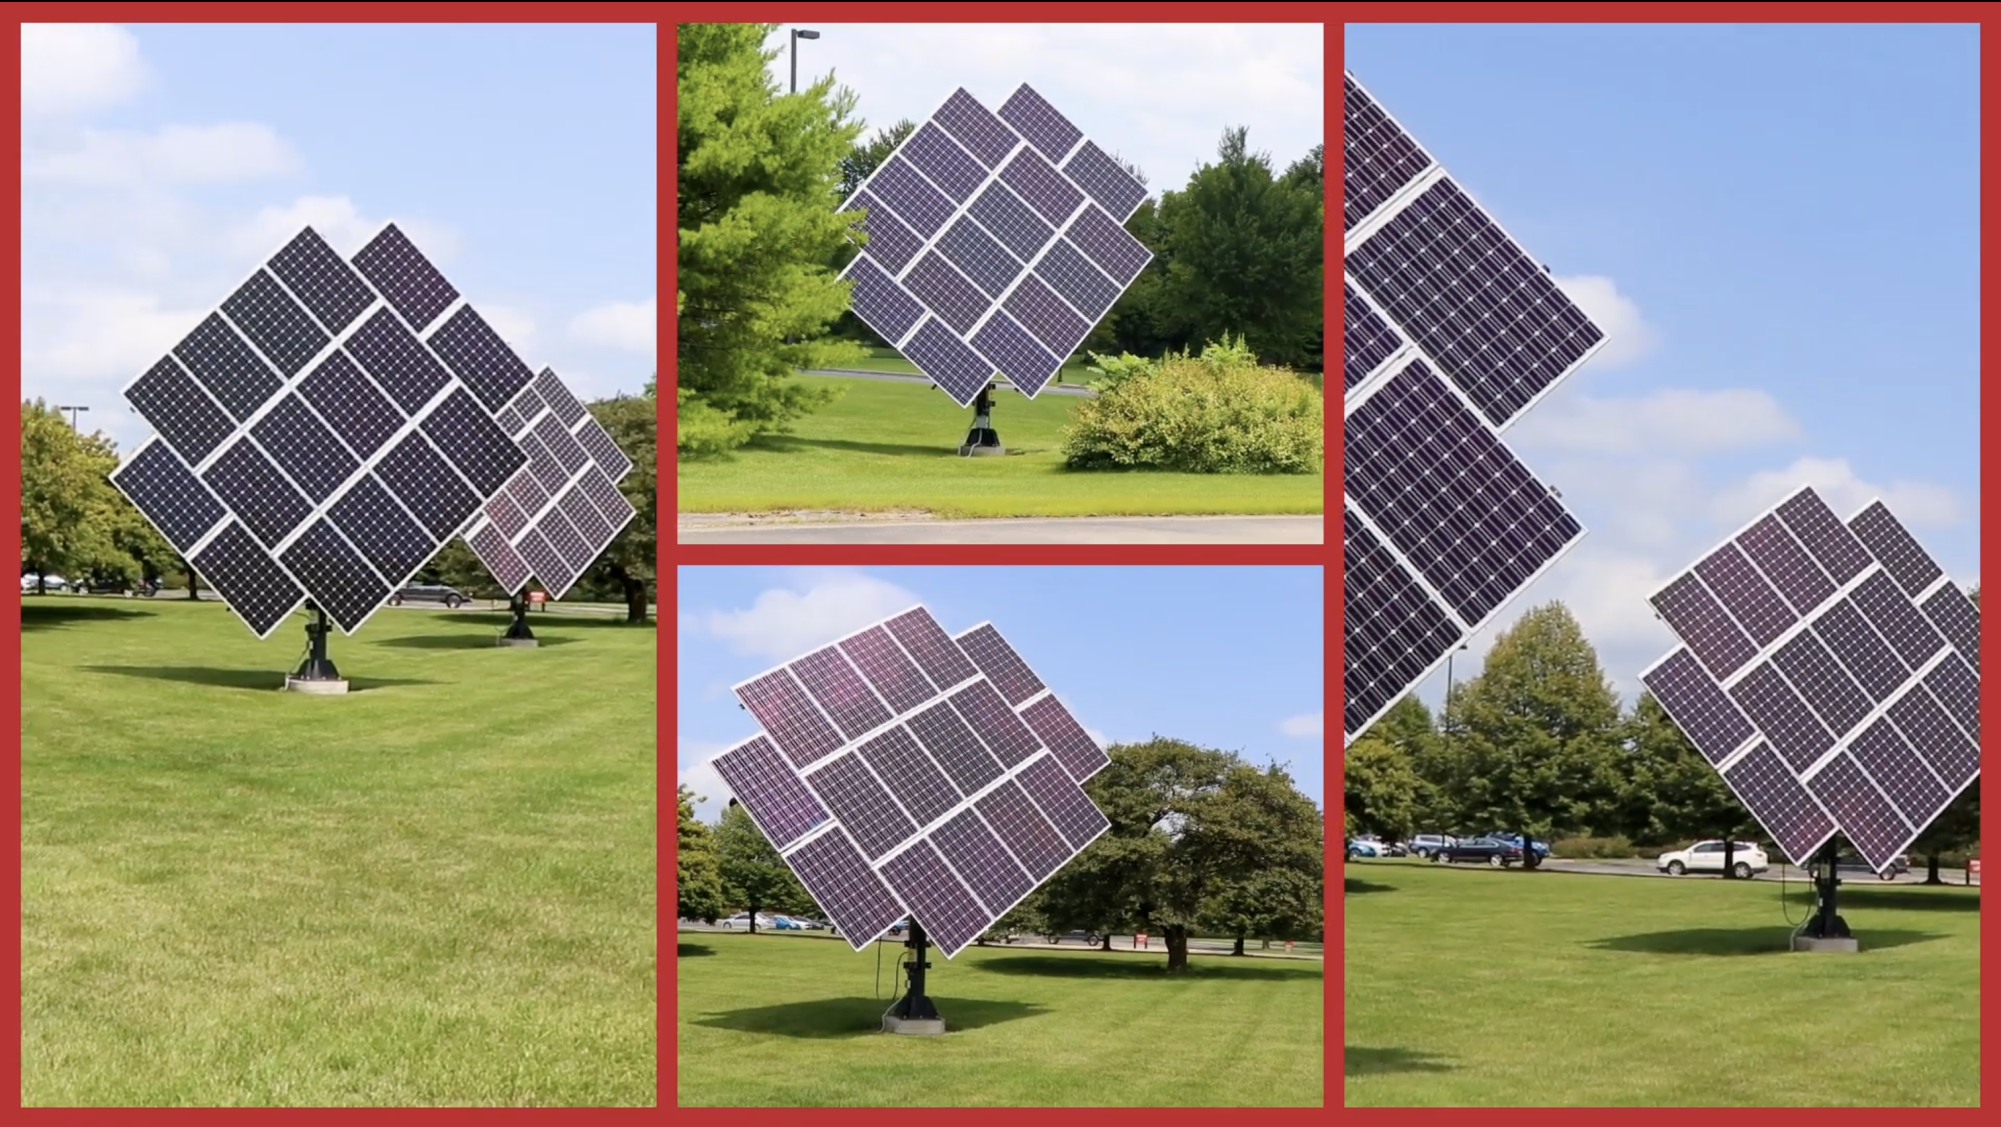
(1858, 715)
(891, 766)
(1451, 332)
(993, 243)
(567, 508)
(309, 442)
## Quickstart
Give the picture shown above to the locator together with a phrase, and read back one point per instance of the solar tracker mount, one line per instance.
(1450, 333)
(1829, 671)
(902, 772)
(993, 244)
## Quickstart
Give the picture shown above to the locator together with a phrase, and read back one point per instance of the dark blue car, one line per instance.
(1541, 848)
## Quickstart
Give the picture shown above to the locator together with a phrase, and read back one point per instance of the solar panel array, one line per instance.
(905, 772)
(994, 243)
(1830, 672)
(325, 431)
(561, 510)
(1450, 333)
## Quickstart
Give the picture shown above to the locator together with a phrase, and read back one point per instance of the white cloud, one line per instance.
(177, 154)
(100, 335)
(1669, 421)
(339, 222)
(515, 326)
(1917, 504)
(1310, 724)
(783, 623)
(72, 67)
(623, 325)
(1098, 737)
(712, 794)
(1628, 337)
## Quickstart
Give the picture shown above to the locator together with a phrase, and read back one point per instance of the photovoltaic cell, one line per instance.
(916, 782)
(603, 451)
(879, 301)
(949, 361)
(280, 328)
(473, 443)
(864, 808)
(351, 404)
(943, 162)
(231, 371)
(1366, 339)
(889, 242)
(781, 805)
(507, 565)
(987, 867)
(1022, 828)
(954, 747)
(951, 917)
(1037, 121)
(1786, 721)
(1754, 603)
(795, 723)
(1017, 355)
(1958, 692)
(1820, 680)
(184, 415)
(549, 389)
(843, 885)
(1424, 469)
(248, 579)
(974, 127)
(1863, 651)
(1108, 246)
(328, 286)
(945, 292)
(1775, 796)
(979, 257)
(1392, 630)
(569, 544)
(1014, 223)
(1827, 540)
(588, 521)
(246, 481)
(995, 723)
(910, 197)
(1699, 620)
(1104, 180)
(840, 692)
(1890, 542)
(1044, 188)
(427, 486)
(161, 487)
(394, 265)
(397, 361)
(1897, 770)
(1490, 317)
(476, 355)
(1952, 756)
(1002, 665)
(1063, 802)
(1698, 706)
(1047, 316)
(1863, 813)
(1786, 564)
(888, 669)
(1378, 157)
(373, 522)
(334, 574)
(1956, 617)
(610, 501)
(304, 448)
(1059, 731)
(1072, 275)
(1899, 622)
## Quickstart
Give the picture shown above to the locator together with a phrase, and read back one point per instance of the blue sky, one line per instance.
(1224, 657)
(163, 163)
(1779, 228)
(1159, 95)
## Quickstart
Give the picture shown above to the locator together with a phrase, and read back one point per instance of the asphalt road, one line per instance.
(1642, 868)
(1024, 530)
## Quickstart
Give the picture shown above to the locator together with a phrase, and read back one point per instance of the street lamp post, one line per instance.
(797, 35)
(72, 409)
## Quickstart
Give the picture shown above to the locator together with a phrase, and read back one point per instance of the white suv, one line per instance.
(1707, 857)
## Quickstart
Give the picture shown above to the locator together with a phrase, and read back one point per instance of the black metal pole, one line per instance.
(914, 1005)
(318, 667)
(517, 631)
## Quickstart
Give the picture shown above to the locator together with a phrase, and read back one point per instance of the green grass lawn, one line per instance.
(777, 1020)
(894, 446)
(1473, 987)
(438, 889)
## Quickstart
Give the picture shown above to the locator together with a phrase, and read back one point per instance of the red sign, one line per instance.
(1973, 866)
(538, 597)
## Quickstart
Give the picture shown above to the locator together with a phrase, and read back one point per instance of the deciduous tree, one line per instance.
(698, 878)
(755, 878)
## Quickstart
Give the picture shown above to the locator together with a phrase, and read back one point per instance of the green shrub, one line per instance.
(1599, 848)
(1220, 412)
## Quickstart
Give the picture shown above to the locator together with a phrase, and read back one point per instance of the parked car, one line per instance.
(788, 923)
(742, 919)
(1382, 848)
(451, 597)
(1363, 847)
(49, 582)
(1493, 851)
(1424, 845)
(1515, 839)
(1899, 865)
(1708, 857)
(1088, 938)
(809, 923)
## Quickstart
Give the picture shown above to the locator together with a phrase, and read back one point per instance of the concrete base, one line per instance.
(982, 451)
(914, 1027)
(316, 688)
(520, 643)
(1808, 943)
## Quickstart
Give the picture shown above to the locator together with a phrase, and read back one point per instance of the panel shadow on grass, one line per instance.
(1919, 898)
(691, 950)
(540, 620)
(789, 444)
(49, 616)
(859, 1017)
(1359, 1061)
(1112, 966)
(463, 641)
(256, 680)
(1745, 941)
(1352, 886)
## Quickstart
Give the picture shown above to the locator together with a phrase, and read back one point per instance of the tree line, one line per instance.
(76, 524)
(1238, 250)
(1201, 841)
(1539, 743)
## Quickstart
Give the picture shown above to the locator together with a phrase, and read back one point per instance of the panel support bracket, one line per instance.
(983, 440)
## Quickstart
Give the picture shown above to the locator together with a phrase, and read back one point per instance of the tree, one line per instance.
(71, 514)
(1380, 789)
(698, 877)
(755, 878)
(866, 156)
(1242, 254)
(759, 177)
(1958, 827)
(633, 422)
(1264, 840)
(1670, 792)
(1541, 732)
(1186, 825)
